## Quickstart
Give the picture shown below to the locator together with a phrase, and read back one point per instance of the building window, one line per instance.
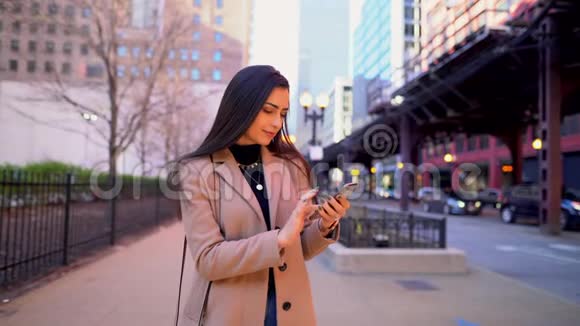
(195, 75)
(67, 48)
(33, 28)
(219, 3)
(197, 3)
(135, 71)
(69, 11)
(66, 68)
(94, 70)
(195, 55)
(136, 52)
(31, 66)
(17, 7)
(84, 49)
(196, 36)
(85, 30)
(14, 65)
(471, 143)
(219, 20)
(217, 75)
(409, 30)
(484, 142)
(147, 71)
(86, 12)
(122, 51)
(15, 45)
(16, 27)
(218, 36)
(150, 53)
(52, 9)
(183, 54)
(409, 13)
(32, 46)
(196, 19)
(120, 71)
(49, 47)
(51, 28)
(171, 54)
(35, 8)
(183, 73)
(459, 144)
(217, 56)
(1, 25)
(48, 67)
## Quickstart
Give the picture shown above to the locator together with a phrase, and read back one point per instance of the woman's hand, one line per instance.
(332, 210)
(291, 230)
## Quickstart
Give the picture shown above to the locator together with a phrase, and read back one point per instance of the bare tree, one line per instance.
(129, 94)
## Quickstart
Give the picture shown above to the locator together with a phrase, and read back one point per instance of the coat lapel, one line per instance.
(227, 168)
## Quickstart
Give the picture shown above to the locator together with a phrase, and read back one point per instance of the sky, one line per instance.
(275, 38)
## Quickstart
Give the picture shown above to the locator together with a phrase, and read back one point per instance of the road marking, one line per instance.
(564, 247)
(506, 248)
(543, 253)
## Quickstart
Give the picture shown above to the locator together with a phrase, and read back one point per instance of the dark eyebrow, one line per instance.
(274, 105)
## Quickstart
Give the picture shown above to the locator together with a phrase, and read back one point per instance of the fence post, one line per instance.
(443, 233)
(412, 230)
(157, 192)
(68, 187)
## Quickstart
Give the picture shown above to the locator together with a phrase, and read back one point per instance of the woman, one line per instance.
(248, 212)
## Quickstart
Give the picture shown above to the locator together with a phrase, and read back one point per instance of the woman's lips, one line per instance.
(271, 134)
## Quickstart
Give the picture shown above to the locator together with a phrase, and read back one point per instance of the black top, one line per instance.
(247, 155)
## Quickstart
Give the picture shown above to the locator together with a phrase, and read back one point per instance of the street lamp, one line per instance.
(448, 158)
(537, 144)
(322, 101)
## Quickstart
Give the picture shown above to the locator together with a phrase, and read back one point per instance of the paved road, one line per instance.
(520, 251)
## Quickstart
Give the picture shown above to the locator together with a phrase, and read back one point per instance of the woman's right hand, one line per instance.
(291, 230)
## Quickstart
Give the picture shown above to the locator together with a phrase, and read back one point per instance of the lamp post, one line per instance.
(306, 102)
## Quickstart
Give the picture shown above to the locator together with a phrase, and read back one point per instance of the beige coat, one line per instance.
(238, 261)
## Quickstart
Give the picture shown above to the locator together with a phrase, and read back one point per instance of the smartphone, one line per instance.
(347, 189)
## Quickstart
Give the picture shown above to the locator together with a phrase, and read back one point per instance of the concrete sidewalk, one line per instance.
(137, 285)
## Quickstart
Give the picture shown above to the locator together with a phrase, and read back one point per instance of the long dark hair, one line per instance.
(243, 99)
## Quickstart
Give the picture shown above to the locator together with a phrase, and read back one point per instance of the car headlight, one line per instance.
(460, 204)
(478, 204)
(576, 205)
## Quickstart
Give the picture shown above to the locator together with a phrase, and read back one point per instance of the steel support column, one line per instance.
(550, 99)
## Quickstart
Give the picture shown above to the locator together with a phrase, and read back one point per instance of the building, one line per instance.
(447, 28)
(337, 123)
(323, 54)
(386, 37)
(39, 40)
(51, 41)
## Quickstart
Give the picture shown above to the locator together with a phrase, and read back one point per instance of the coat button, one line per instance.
(283, 267)
(286, 306)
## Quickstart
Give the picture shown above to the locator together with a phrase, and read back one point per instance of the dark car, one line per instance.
(522, 202)
(450, 203)
(490, 197)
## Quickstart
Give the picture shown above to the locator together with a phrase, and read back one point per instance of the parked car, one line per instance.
(427, 193)
(522, 202)
(451, 204)
(490, 196)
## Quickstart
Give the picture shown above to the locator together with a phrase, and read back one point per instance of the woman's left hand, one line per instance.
(332, 210)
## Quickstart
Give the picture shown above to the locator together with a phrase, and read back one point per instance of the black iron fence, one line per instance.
(369, 227)
(50, 220)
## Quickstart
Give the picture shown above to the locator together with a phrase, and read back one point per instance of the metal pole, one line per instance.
(68, 187)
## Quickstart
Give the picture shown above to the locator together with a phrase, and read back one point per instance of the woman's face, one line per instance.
(270, 119)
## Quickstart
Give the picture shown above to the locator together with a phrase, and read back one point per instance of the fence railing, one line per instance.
(50, 220)
(370, 227)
